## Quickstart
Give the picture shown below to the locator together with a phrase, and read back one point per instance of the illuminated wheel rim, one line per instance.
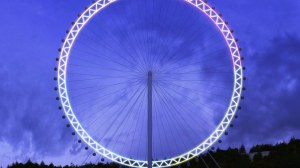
(206, 144)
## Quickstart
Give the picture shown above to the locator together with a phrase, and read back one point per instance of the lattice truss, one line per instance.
(206, 144)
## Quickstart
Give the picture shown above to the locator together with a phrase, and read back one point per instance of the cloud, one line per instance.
(31, 123)
(28, 114)
(271, 108)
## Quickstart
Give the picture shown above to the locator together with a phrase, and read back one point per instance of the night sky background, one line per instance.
(31, 33)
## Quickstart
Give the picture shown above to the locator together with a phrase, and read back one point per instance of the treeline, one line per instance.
(281, 155)
(51, 165)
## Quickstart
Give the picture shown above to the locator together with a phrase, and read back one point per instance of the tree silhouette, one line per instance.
(281, 155)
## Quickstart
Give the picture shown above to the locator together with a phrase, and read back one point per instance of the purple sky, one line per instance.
(31, 33)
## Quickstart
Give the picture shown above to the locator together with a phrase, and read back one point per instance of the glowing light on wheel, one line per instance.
(92, 142)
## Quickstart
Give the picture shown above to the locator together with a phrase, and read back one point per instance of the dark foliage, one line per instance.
(281, 155)
(42, 164)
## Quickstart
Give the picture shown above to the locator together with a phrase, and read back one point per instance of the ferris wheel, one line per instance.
(149, 83)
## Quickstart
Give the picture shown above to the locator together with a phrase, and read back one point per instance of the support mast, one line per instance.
(149, 123)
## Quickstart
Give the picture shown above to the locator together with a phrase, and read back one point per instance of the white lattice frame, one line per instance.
(206, 144)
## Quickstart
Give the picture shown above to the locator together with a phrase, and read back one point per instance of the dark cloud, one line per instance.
(271, 108)
(31, 123)
(29, 115)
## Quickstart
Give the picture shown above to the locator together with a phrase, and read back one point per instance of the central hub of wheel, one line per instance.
(149, 74)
